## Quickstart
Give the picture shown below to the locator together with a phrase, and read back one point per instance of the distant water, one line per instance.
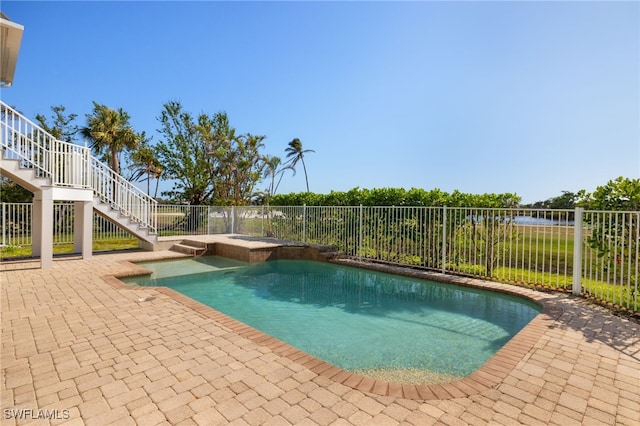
(530, 220)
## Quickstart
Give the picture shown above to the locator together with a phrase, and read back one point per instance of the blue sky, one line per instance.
(527, 97)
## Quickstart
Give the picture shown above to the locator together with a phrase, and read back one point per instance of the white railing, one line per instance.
(586, 252)
(16, 225)
(594, 253)
(180, 219)
(599, 257)
(71, 165)
(122, 195)
(66, 164)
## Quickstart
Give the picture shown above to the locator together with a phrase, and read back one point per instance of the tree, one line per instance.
(619, 194)
(145, 164)
(237, 162)
(62, 127)
(295, 153)
(110, 133)
(11, 192)
(206, 158)
(207, 161)
(272, 169)
(567, 201)
(183, 151)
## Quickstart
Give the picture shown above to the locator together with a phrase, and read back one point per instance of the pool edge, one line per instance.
(487, 376)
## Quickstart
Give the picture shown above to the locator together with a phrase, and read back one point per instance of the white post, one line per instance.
(304, 223)
(42, 231)
(576, 288)
(360, 237)
(83, 228)
(87, 167)
(53, 160)
(4, 224)
(233, 219)
(444, 239)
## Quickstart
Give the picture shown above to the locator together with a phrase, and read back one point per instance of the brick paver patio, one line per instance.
(80, 348)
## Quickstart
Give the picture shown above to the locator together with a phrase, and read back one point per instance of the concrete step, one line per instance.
(193, 248)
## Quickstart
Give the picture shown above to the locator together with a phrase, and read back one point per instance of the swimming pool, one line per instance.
(356, 319)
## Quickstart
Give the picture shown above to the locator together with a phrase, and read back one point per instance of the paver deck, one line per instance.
(80, 349)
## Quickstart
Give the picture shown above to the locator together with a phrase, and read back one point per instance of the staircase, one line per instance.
(39, 162)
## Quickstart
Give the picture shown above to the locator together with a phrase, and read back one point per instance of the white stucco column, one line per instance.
(42, 232)
(83, 228)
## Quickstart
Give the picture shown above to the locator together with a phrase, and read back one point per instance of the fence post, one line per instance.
(360, 237)
(4, 225)
(444, 239)
(576, 287)
(87, 168)
(208, 220)
(304, 223)
(233, 219)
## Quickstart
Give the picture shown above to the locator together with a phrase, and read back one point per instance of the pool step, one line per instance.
(193, 248)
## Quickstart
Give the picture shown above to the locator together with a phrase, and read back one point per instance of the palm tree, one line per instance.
(295, 153)
(110, 133)
(146, 163)
(272, 170)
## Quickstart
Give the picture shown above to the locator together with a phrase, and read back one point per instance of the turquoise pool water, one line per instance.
(353, 318)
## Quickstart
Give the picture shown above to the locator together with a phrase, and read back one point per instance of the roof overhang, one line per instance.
(10, 38)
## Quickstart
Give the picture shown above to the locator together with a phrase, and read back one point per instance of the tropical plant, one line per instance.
(618, 194)
(397, 197)
(615, 236)
(274, 168)
(295, 153)
(110, 134)
(145, 165)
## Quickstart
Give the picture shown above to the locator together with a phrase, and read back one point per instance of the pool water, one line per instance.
(354, 318)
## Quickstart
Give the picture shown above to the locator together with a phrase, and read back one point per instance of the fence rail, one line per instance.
(16, 225)
(596, 253)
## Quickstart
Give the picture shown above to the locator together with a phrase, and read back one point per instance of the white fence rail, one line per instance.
(596, 253)
(590, 252)
(16, 225)
(207, 220)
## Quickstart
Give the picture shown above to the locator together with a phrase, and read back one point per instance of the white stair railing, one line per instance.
(66, 164)
(70, 165)
(121, 195)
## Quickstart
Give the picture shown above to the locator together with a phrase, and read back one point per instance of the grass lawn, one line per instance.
(64, 248)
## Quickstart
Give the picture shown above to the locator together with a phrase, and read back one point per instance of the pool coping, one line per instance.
(487, 376)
